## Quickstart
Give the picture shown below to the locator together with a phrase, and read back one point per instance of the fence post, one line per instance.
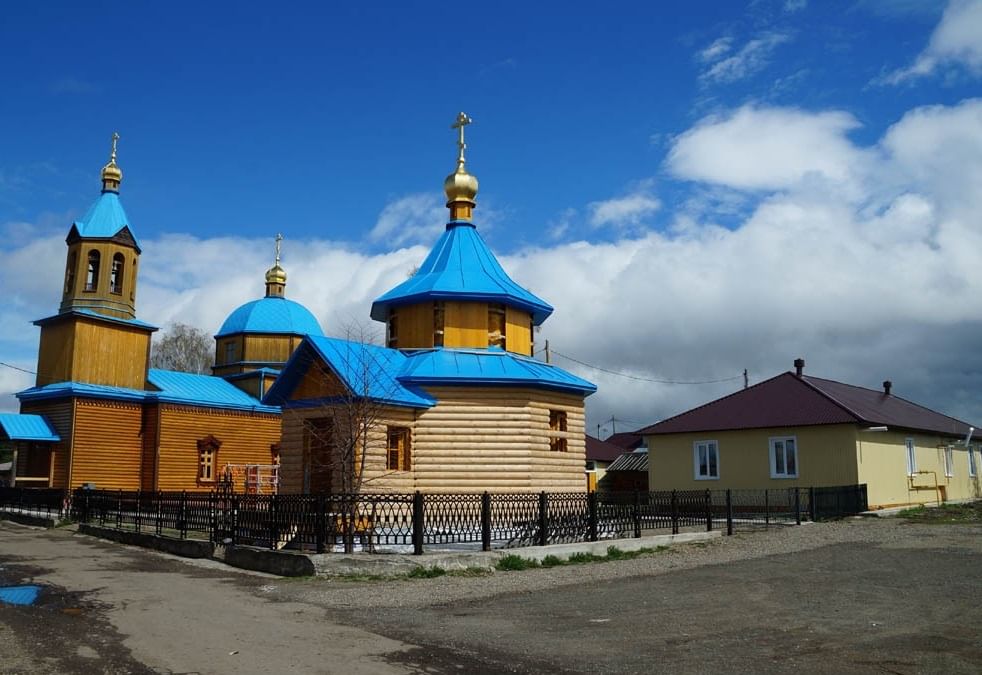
(797, 506)
(591, 502)
(136, 521)
(709, 511)
(543, 519)
(274, 533)
(212, 519)
(729, 512)
(486, 521)
(675, 512)
(418, 523)
(636, 514)
(160, 513)
(320, 522)
(234, 521)
(119, 510)
(812, 509)
(767, 507)
(182, 514)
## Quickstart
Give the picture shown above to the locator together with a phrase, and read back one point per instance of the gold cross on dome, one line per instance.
(112, 155)
(279, 238)
(462, 121)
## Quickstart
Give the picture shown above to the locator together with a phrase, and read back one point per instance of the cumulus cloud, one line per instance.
(883, 283)
(630, 209)
(749, 59)
(410, 219)
(716, 49)
(957, 39)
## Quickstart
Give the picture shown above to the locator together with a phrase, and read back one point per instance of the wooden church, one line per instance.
(99, 415)
(454, 402)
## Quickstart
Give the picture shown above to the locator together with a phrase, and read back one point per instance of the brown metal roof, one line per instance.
(601, 450)
(788, 400)
(626, 440)
(630, 461)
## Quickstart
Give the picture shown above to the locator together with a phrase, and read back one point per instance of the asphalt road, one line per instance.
(867, 596)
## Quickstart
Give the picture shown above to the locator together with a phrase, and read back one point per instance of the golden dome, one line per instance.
(112, 175)
(460, 186)
(276, 275)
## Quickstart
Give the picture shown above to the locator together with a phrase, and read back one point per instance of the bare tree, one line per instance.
(183, 348)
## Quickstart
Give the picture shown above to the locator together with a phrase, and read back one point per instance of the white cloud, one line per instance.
(767, 148)
(410, 219)
(957, 39)
(749, 59)
(792, 6)
(715, 50)
(630, 209)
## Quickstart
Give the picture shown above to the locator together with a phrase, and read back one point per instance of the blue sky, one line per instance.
(615, 147)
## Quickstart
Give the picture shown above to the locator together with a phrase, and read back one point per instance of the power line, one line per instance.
(23, 370)
(644, 379)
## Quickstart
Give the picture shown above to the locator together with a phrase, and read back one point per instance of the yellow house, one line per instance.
(797, 430)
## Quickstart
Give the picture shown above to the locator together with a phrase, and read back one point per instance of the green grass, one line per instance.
(426, 572)
(511, 563)
(946, 514)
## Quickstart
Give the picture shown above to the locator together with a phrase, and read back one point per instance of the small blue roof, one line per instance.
(27, 428)
(271, 315)
(104, 219)
(461, 267)
(207, 391)
(488, 367)
(96, 315)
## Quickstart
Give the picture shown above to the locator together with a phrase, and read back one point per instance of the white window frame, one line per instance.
(710, 446)
(972, 468)
(949, 461)
(911, 449)
(771, 451)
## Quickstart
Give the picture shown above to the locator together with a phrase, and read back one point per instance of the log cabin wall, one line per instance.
(246, 438)
(61, 416)
(107, 447)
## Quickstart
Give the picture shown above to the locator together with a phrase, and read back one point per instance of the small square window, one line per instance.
(784, 457)
(557, 429)
(705, 456)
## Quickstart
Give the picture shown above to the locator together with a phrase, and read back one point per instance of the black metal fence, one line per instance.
(410, 522)
(44, 502)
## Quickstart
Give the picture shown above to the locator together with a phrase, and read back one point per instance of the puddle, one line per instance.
(19, 595)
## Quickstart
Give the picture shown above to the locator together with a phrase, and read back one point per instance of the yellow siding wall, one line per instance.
(55, 353)
(268, 348)
(518, 331)
(120, 305)
(826, 456)
(107, 444)
(883, 466)
(246, 439)
(415, 326)
(90, 351)
(466, 324)
(61, 416)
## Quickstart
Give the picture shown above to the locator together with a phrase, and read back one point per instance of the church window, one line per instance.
(438, 321)
(230, 351)
(116, 275)
(398, 456)
(70, 272)
(92, 276)
(208, 459)
(393, 330)
(557, 430)
(496, 325)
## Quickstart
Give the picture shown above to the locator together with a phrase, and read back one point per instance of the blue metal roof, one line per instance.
(206, 391)
(271, 315)
(104, 219)
(461, 267)
(488, 367)
(96, 315)
(27, 428)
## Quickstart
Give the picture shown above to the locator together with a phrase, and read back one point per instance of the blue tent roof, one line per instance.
(104, 219)
(271, 315)
(461, 267)
(27, 428)
(173, 387)
(488, 367)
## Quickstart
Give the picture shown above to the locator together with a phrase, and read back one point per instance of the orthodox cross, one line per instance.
(462, 121)
(279, 238)
(112, 155)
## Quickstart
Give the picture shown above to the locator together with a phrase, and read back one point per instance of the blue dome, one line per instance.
(271, 315)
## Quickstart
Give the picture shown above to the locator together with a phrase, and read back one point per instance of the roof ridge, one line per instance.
(829, 396)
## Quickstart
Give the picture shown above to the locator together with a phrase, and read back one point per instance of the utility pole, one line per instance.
(548, 360)
(746, 380)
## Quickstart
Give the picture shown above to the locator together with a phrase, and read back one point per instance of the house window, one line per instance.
(784, 457)
(230, 352)
(705, 455)
(949, 464)
(70, 272)
(208, 459)
(557, 426)
(92, 276)
(398, 456)
(911, 457)
(438, 321)
(393, 330)
(116, 275)
(496, 325)
(971, 461)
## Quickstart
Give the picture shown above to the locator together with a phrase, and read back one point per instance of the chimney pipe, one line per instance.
(887, 385)
(799, 367)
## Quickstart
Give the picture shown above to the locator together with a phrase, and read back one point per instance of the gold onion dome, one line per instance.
(112, 175)
(276, 275)
(460, 186)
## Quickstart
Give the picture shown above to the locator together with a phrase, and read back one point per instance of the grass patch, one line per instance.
(553, 561)
(470, 572)
(511, 563)
(946, 514)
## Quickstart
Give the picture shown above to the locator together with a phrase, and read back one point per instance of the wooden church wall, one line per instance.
(60, 414)
(246, 438)
(107, 446)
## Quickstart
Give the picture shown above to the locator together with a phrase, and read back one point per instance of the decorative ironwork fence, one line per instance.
(410, 522)
(46, 502)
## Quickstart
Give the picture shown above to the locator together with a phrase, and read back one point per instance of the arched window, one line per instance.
(116, 276)
(92, 277)
(70, 272)
(208, 459)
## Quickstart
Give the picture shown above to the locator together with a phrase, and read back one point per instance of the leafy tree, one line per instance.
(183, 348)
